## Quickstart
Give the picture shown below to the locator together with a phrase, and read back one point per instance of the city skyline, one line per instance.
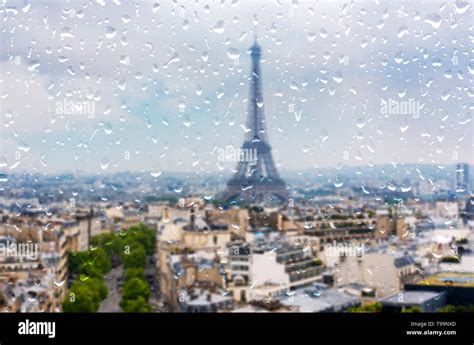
(171, 109)
(238, 159)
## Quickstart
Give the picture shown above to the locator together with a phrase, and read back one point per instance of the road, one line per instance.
(153, 280)
(111, 303)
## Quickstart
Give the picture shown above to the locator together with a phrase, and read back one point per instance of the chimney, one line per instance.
(192, 218)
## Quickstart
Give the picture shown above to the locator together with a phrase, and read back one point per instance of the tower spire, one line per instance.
(256, 114)
(256, 179)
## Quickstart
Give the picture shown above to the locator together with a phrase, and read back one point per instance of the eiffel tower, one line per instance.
(256, 180)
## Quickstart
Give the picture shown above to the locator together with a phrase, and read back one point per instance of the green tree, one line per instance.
(375, 307)
(95, 285)
(134, 288)
(134, 273)
(99, 286)
(143, 235)
(3, 300)
(111, 243)
(75, 261)
(103, 240)
(450, 259)
(81, 299)
(139, 305)
(100, 259)
(81, 262)
(448, 309)
(457, 309)
(134, 256)
(462, 241)
(414, 309)
(88, 271)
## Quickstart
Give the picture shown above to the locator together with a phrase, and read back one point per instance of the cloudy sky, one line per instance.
(168, 83)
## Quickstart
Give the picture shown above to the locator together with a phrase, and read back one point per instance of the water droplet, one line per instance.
(470, 67)
(233, 53)
(391, 186)
(404, 126)
(461, 6)
(434, 20)
(174, 58)
(58, 283)
(125, 60)
(405, 189)
(66, 32)
(108, 128)
(399, 57)
(83, 277)
(323, 33)
(402, 31)
(360, 122)
(338, 77)
(199, 90)
(185, 25)
(110, 32)
(219, 27)
(26, 8)
(104, 164)
(148, 122)
(436, 62)
(33, 65)
(126, 19)
(24, 147)
(245, 188)
(316, 292)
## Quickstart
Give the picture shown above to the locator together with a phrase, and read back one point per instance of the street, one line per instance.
(111, 303)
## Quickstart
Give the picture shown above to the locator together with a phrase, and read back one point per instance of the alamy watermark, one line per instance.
(28, 250)
(66, 107)
(344, 249)
(232, 154)
(393, 107)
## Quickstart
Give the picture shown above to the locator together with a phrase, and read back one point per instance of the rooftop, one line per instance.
(449, 279)
(315, 299)
(250, 309)
(411, 297)
(465, 266)
(403, 261)
(201, 297)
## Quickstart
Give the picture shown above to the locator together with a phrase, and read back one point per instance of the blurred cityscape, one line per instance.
(259, 216)
(335, 246)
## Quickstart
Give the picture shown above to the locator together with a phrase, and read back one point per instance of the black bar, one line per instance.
(234, 328)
